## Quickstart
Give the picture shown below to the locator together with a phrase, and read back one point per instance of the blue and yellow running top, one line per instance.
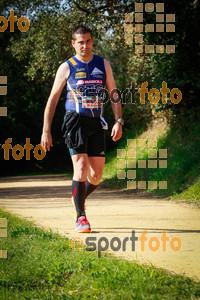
(85, 86)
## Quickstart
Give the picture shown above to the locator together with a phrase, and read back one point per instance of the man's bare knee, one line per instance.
(95, 177)
(80, 174)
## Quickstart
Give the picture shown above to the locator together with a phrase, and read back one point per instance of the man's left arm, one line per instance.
(115, 101)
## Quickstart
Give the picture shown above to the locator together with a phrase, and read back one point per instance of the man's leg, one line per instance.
(95, 170)
(80, 166)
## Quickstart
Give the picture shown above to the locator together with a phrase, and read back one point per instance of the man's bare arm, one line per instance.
(59, 83)
(115, 101)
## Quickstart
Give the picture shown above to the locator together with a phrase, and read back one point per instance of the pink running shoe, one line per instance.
(82, 225)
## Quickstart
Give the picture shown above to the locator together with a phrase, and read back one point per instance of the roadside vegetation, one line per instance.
(183, 162)
(41, 265)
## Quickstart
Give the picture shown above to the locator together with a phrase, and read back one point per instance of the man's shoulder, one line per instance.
(103, 60)
(63, 70)
(71, 61)
(106, 63)
(64, 66)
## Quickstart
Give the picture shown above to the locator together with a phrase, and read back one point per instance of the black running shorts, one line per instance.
(92, 135)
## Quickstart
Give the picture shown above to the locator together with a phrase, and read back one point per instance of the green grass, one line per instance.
(41, 265)
(183, 165)
(191, 195)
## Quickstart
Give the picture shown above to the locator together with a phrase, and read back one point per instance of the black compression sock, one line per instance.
(78, 194)
(89, 188)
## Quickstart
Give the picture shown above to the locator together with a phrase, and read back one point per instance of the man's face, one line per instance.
(83, 44)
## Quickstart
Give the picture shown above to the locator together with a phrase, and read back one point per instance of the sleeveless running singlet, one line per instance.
(85, 86)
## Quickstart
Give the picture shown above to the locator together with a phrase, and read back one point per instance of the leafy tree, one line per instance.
(31, 59)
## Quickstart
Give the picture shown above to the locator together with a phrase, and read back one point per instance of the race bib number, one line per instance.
(91, 102)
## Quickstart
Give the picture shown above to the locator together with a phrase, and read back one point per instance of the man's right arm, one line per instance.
(59, 83)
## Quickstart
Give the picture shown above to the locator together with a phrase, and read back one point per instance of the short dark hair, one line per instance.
(80, 29)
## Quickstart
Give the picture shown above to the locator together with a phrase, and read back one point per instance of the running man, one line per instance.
(86, 77)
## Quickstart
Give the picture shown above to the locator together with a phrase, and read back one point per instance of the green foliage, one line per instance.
(30, 61)
(191, 194)
(182, 172)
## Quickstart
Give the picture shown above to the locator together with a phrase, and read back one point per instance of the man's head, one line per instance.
(82, 41)
(80, 29)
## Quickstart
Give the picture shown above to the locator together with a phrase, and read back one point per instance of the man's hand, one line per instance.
(46, 141)
(116, 131)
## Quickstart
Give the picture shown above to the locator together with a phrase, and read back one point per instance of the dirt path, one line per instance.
(46, 200)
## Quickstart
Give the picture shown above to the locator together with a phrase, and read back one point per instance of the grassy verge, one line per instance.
(183, 164)
(190, 195)
(41, 265)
